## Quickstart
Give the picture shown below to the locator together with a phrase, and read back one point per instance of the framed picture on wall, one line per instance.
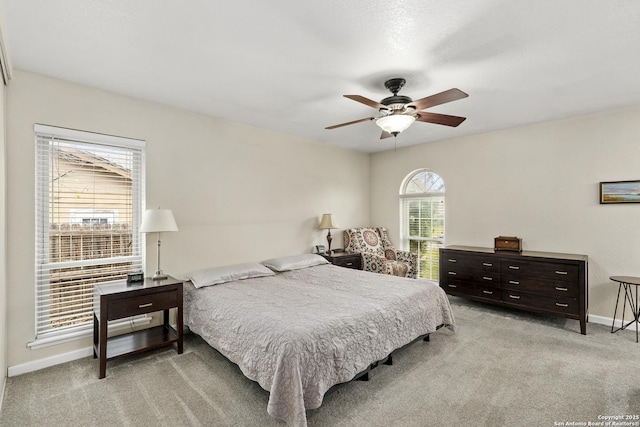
(620, 192)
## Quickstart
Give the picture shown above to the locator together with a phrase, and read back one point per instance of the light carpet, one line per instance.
(501, 368)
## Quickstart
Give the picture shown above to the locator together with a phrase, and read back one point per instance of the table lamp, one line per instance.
(328, 222)
(158, 221)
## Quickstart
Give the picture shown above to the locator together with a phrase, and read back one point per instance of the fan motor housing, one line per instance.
(396, 99)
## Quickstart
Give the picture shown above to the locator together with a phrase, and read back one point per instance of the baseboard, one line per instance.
(601, 320)
(47, 362)
(35, 365)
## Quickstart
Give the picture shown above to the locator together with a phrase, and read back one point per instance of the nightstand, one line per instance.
(116, 300)
(343, 259)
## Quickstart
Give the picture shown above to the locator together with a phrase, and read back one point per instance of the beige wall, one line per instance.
(538, 182)
(238, 193)
(3, 265)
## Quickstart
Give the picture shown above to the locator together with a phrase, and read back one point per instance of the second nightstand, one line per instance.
(116, 300)
(344, 259)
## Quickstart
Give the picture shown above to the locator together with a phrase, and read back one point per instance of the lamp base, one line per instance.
(159, 275)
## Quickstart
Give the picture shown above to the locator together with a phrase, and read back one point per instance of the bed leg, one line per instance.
(389, 361)
(426, 338)
(364, 377)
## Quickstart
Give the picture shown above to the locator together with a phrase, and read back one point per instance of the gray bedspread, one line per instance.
(300, 332)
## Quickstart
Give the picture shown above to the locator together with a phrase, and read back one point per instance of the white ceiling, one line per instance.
(285, 64)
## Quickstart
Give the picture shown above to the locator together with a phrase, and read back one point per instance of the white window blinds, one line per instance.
(89, 201)
(422, 202)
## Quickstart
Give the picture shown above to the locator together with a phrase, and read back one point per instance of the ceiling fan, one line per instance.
(398, 112)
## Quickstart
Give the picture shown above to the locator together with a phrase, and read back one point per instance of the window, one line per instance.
(422, 220)
(89, 199)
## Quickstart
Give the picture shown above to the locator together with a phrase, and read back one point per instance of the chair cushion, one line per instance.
(363, 240)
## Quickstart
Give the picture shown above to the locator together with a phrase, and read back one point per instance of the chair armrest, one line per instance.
(411, 259)
(406, 256)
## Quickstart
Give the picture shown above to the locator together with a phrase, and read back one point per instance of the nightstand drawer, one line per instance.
(348, 261)
(142, 304)
(343, 259)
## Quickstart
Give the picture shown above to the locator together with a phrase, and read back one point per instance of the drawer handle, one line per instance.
(149, 304)
(453, 286)
(558, 288)
(514, 267)
(487, 278)
(564, 273)
(514, 296)
(514, 282)
(562, 305)
(452, 273)
(487, 292)
(452, 260)
(349, 263)
(487, 264)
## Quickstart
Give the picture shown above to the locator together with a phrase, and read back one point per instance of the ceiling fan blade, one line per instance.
(385, 134)
(437, 99)
(440, 119)
(367, 101)
(350, 123)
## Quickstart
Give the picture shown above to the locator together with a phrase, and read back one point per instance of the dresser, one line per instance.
(541, 282)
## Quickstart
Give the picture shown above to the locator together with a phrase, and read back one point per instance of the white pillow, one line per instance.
(294, 262)
(217, 275)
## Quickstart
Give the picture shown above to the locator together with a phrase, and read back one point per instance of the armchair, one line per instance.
(378, 254)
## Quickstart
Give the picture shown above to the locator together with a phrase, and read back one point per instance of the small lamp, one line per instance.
(158, 221)
(328, 222)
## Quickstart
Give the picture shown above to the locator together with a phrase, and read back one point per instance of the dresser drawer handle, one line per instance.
(564, 273)
(487, 278)
(514, 282)
(562, 305)
(452, 286)
(452, 260)
(558, 288)
(514, 296)
(348, 263)
(452, 273)
(514, 267)
(487, 292)
(487, 264)
(149, 304)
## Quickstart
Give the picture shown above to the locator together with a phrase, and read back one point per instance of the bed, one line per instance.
(311, 325)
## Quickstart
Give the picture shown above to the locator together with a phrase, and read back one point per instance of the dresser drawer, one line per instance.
(541, 302)
(488, 292)
(454, 287)
(142, 304)
(451, 259)
(543, 270)
(561, 289)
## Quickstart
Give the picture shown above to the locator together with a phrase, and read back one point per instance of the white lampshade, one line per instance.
(395, 123)
(157, 221)
(328, 222)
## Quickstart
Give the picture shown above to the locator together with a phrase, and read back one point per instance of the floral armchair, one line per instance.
(378, 254)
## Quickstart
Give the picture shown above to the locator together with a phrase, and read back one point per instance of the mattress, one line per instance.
(300, 332)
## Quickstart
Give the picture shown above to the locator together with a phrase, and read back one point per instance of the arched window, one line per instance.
(422, 219)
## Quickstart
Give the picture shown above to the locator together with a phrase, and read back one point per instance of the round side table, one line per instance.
(625, 284)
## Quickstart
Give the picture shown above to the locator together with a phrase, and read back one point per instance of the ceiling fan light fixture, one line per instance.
(395, 123)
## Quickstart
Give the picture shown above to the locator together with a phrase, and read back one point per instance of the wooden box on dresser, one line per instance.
(541, 282)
